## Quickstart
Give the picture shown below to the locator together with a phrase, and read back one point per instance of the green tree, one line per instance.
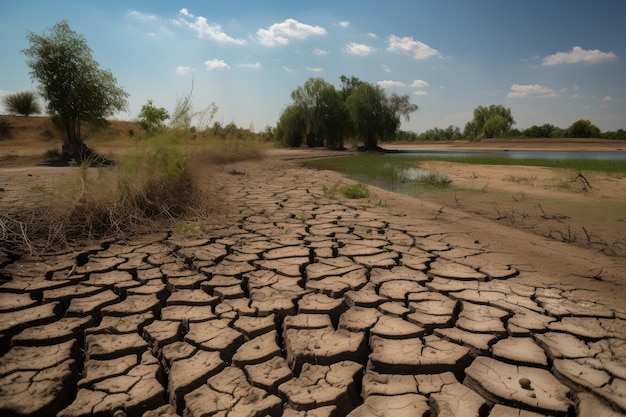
(503, 120)
(74, 86)
(374, 115)
(495, 126)
(152, 118)
(318, 103)
(583, 129)
(24, 103)
(321, 115)
(543, 131)
(371, 118)
(291, 128)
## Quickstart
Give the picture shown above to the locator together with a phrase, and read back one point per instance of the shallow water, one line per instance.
(521, 154)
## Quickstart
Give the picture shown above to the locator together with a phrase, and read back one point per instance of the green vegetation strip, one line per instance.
(382, 166)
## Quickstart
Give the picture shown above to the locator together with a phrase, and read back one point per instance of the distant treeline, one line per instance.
(579, 129)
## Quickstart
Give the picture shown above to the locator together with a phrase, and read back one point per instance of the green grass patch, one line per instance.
(38, 188)
(349, 191)
(433, 180)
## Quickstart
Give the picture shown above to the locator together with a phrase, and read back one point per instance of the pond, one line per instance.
(401, 172)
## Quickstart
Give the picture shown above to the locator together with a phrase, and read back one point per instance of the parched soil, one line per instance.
(587, 210)
(289, 303)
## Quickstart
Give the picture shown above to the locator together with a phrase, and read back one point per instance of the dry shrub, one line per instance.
(156, 184)
(224, 151)
(148, 189)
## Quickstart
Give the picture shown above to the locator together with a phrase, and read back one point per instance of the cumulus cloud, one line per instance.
(216, 64)
(182, 69)
(408, 45)
(421, 93)
(531, 90)
(390, 83)
(386, 68)
(204, 30)
(319, 52)
(578, 54)
(254, 66)
(360, 49)
(314, 69)
(607, 99)
(135, 14)
(419, 84)
(344, 23)
(282, 33)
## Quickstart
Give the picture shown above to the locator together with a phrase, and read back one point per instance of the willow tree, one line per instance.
(75, 88)
(490, 122)
(376, 116)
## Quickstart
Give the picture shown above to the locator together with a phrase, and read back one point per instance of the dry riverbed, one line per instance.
(286, 302)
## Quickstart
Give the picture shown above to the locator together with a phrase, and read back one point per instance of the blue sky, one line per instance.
(550, 61)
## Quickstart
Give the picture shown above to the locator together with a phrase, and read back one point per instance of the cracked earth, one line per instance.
(294, 304)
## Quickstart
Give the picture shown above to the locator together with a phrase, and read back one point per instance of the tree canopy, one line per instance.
(489, 122)
(321, 115)
(73, 85)
(583, 129)
(152, 117)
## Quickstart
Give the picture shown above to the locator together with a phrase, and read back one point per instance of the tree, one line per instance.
(321, 115)
(374, 115)
(74, 86)
(503, 120)
(291, 127)
(583, 129)
(152, 118)
(24, 103)
(543, 131)
(371, 118)
(320, 106)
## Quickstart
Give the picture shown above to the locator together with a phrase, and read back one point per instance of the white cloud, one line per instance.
(408, 45)
(185, 12)
(182, 70)
(421, 93)
(288, 69)
(319, 52)
(344, 23)
(578, 54)
(390, 83)
(386, 68)
(281, 33)
(372, 35)
(360, 49)
(135, 14)
(314, 69)
(419, 84)
(254, 66)
(531, 90)
(216, 64)
(607, 99)
(204, 30)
